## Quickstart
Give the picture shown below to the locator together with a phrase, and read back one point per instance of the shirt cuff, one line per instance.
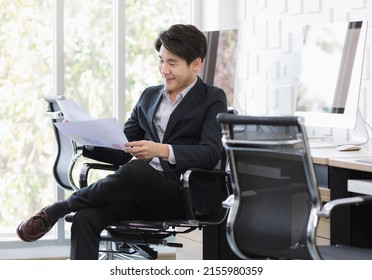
(171, 157)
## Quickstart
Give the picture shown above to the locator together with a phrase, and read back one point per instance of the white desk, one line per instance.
(327, 156)
(349, 225)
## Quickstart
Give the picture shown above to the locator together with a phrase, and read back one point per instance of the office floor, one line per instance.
(192, 246)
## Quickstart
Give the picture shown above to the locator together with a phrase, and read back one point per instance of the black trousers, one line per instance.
(135, 191)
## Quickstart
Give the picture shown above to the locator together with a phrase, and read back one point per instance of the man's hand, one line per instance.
(147, 149)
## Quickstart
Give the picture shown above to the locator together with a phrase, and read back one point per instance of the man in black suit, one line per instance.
(172, 127)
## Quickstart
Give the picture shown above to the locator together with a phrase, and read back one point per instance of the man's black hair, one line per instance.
(185, 41)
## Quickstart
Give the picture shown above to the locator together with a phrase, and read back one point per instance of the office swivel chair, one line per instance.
(138, 239)
(275, 205)
(68, 151)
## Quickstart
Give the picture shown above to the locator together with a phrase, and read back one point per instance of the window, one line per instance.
(26, 140)
(88, 46)
(26, 64)
(143, 22)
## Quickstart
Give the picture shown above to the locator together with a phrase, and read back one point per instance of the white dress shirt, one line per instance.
(161, 119)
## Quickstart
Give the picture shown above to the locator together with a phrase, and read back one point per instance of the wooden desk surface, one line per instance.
(326, 155)
(350, 163)
(346, 231)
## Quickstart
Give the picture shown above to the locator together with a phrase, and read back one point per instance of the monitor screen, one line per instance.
(330, 74)
(219, 65)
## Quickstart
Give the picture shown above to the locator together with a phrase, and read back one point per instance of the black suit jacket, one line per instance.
(192, 131)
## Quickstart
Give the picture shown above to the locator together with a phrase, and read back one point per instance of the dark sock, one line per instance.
(57, 210)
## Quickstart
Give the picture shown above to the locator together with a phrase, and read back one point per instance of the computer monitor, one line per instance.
(220, 63)
(330, 78)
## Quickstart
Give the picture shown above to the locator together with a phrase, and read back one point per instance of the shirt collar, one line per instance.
(182, 93)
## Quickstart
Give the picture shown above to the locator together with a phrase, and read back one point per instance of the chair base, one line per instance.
(134, 241)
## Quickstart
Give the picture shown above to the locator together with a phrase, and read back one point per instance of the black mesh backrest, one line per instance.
(65, 149)
(274, 187)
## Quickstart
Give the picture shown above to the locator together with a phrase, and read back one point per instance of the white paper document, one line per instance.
(73, 112)
(85, 130)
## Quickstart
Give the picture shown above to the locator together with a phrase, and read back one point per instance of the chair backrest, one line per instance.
(67, 151)
(275, 192)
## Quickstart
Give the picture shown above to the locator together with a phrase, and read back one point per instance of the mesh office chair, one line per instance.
(68, 151)
(138, 239)
(275, 205)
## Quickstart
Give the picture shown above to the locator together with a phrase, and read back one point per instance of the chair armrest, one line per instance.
(185, 190)
(185, 177)
(83, 176)
(325, 211)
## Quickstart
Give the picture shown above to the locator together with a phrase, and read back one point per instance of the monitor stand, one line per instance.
(357, 136)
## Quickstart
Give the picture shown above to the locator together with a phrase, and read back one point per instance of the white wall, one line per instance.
(217, 14)
(270, 40)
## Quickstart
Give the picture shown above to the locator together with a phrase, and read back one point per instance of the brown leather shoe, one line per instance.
(35, 227)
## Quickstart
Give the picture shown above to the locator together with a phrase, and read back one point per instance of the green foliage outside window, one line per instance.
(26, 76)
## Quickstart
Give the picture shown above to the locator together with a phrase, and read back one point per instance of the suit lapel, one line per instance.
(151, 114)
(191, 100)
